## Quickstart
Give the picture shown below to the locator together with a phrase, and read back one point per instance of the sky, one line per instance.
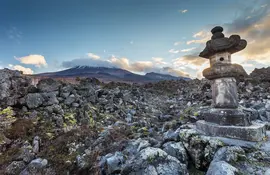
(164, 36)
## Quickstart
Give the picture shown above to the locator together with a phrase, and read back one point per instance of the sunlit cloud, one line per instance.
(93, 56)
(124, 63)
(188, 50)
(159, 61)
(37, 60)
(192, 61)
(202, 37)
(21, 68)
(253, 25)
(201, 34)
(256, 31)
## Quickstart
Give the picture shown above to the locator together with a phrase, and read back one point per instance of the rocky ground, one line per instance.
(95, 128)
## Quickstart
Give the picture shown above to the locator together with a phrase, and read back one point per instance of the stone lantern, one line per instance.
(226, 119)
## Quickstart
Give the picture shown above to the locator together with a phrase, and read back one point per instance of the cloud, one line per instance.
(188, 50)
(178, 43)
(252, 24)
(131, 42)
(173, 51)
(193, 61)
(138, 66)
(37, 60)
(202, 37)
(21, 68)
(93, 56)
(256, 31)
(183, 11)
(174, 72)
(201, 34)
(86, 62)
(155, 65)
(159, 61)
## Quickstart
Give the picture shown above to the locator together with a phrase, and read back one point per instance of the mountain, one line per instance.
(109, 74)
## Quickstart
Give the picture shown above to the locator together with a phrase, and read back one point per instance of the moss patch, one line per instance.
(21, 128)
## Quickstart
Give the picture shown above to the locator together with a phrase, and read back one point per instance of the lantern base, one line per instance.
(255, 132)
(221, 116)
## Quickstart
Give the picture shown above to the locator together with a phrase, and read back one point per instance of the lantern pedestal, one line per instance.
(255, 132)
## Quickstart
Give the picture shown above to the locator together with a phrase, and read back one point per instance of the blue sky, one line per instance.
(138, 35)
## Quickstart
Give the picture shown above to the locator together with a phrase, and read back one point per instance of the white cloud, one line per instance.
(37, 60)
(159, 61)
(178, 43)
(138, 66)
(174, 72)
(93, 56)
(21, 68)
(173, 51)
(200, 41)
(183, 11)
(188, 50)
(131, 42)
(201, 34)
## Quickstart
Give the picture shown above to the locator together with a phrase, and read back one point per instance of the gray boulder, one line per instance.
(230, 154)
(48, 85)
(69, 100)
(154, 161)
(177, 150)
(246, 163)
(200, 148)
(34, 100)
(221, 168)
(15, 167)
(13, 85)
(35, 167)
(114, 163)
(49, 99)
(26, 153)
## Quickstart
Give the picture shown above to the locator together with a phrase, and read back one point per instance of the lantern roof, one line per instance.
(220, 43)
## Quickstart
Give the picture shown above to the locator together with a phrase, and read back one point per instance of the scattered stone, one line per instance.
(15, 168)
(114, 163)
(34, 100)
(36, 143)
(154, 161)
(201, 148)
(221, 168)
(177, 150)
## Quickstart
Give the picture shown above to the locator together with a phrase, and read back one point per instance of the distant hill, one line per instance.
(158, 76)
(109, 74)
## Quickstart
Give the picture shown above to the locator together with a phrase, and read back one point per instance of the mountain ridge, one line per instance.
(109, 74)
